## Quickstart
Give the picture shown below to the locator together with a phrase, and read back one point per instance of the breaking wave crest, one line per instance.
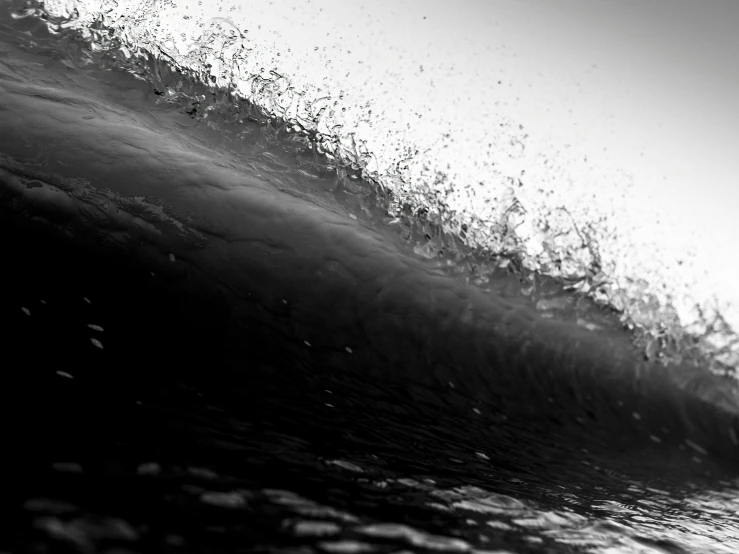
(511, 218)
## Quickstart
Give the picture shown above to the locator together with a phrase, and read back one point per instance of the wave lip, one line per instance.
(328, 283)
(483, 178)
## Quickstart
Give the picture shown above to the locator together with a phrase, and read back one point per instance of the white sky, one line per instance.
(649, 88)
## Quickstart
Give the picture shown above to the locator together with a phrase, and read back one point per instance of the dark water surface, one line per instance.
(213, 343)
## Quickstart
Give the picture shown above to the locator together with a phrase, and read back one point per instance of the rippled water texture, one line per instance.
(216, 342)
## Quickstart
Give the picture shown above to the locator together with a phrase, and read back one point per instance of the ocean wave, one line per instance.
(518, 222)
(304, 316)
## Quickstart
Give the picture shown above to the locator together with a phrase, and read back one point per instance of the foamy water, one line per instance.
(517, 127)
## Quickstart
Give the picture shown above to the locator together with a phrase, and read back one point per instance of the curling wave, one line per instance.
(509, 205)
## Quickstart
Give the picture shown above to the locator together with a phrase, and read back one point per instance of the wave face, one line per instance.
(449, 149)
(228, 344)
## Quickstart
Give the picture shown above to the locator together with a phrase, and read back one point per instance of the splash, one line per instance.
(491, 185)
